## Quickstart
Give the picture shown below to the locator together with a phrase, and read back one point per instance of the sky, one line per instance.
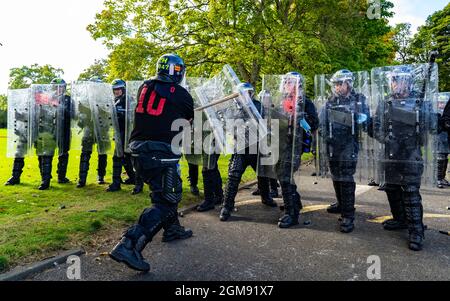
(54, 32)
(415, 12)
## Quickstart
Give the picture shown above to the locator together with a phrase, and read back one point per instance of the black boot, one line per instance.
(193, 179)
(218, 192)
(84, 168)
(46, 171)
(138, 186)
(116, 178)
(129, 249)
(372, 182)
(194, 190)
(225, 214)
(292, 206)
(209, 187)
(128, 166)
(414, 216)
(101, 169)
(266, 199)
(398, 222)
(63, 160)
(442, 165)
(335, 208)
(347, 200)
(129, 252)
(274, 188)
(256, 192)
(175, 231)
(18, 165)
(231, 191)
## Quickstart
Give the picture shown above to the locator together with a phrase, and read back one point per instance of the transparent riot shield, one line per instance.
(106, 124)
(193, 148)
(18, 133)
(344, 150)
(283, 104)
(83, 136)
(231, 113)
(405, 122)
(132, 100)
(47, 126)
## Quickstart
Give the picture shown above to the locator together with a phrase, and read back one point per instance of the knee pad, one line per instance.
(414, 189)
(411, 196)
(172, 188)
(135, 232)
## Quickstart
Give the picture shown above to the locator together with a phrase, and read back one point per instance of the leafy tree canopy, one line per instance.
(434, 35)
(97, 69)
(254, 36)
(25, 76)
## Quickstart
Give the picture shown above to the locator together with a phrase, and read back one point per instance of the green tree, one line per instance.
(402, 41)
(255, 36)
(25, 76)
(97, 69)
(434, 35)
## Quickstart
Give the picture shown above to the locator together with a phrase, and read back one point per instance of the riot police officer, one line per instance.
(290, 161)
(119, 91)
(161, 101)
(342, 135)
(63, 158)
(49, 134)
(395, 125)
(19, 104)
(88, 140)
(443, 145)
(237, 166)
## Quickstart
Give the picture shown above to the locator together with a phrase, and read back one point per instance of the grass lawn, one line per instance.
(35, 224)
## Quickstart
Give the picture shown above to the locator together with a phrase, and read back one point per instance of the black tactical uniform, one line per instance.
(160, 102)
(285, 167)
(63, 157)
(45, 162)
(342, 146)
(88, 141)
(445, 120)
(125, 160)
(404, 169)
(193, 178)
(443, 146)
(212, 183)
(21, 131)
(273, 189)
(236, 168)
(442, 159)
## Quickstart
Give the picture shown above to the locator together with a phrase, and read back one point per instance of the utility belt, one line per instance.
(153, 154)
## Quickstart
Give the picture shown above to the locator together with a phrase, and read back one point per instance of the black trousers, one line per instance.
(166, 192)
(236, 168)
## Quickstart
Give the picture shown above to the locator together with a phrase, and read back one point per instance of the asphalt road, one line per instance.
(250, 246)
